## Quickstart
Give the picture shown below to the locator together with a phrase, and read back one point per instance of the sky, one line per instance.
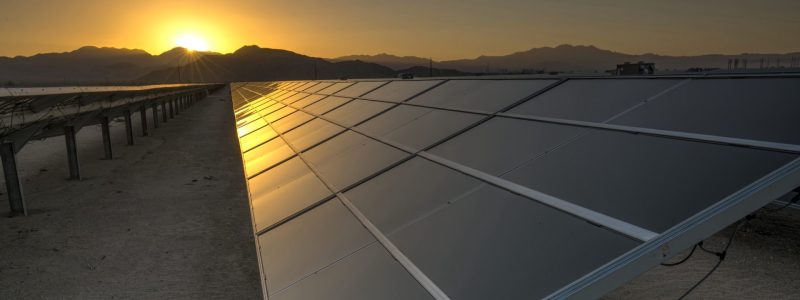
(441, 29)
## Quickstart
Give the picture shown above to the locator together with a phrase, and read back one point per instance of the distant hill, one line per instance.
(566, 58)
(252, 63)
(391, 61)
(93, 65)
(90, 65)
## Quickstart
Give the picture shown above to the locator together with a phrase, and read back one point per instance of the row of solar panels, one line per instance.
(37, 91)
(27, 107)
(474, 189)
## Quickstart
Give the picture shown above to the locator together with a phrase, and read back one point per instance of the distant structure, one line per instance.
(639, 68)
(405, 75)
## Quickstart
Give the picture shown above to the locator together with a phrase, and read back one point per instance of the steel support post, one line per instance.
(106, 132)
(128, 127)
(72, 153)
(164, 111)
(155, 115)
(13, 183)
(143, 117)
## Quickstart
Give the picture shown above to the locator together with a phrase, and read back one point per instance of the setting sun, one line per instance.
(192, 42)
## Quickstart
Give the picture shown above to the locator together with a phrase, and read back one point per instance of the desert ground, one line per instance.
(167, 218)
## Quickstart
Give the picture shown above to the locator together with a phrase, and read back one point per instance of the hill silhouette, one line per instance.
(391, 61)
(252, 63)
(93, 65)
(90, 65)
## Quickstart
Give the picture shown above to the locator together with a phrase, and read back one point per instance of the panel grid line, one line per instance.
(404, 261)
(594, 217)
(655, 247)
(680, 135)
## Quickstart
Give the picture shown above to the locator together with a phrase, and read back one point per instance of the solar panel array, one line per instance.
(503, 188)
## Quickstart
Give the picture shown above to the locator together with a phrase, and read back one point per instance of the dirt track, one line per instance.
(167, 218)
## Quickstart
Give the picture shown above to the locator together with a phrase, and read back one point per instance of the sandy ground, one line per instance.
(166, 219)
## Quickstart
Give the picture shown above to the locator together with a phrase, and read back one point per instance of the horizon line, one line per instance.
(396, 55)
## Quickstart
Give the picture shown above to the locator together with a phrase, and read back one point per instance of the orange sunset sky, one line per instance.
(444, 29)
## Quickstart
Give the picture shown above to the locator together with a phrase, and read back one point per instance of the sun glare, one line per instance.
(192, 42)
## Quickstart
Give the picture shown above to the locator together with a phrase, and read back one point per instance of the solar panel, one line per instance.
(334, 88)
(592, 99)
(356, 111)
(312, 133)
(326, 104)
(400, 90)
(484, 95)
(359, 88)
(417, 127)
(513, 189)
(748, 108)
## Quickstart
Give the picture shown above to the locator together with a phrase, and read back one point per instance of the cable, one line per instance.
(721, 255)
(684, 259)
(719, 262)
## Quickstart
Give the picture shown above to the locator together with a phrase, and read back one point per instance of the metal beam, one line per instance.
(683, 235)
(128, 127)
(171, 108)
(43, 102)
(13, 183)
(72, 153)
(20, 137)
(106, 132)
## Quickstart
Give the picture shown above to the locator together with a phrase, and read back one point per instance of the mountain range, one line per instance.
(93, 65)
(252, 63)
(580, 59)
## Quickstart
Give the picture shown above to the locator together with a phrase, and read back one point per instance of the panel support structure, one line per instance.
(106, 132)
(143, 117)
(155, 115)
(128, 127)
(164, 111)
(13, 183)
(72, 153)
